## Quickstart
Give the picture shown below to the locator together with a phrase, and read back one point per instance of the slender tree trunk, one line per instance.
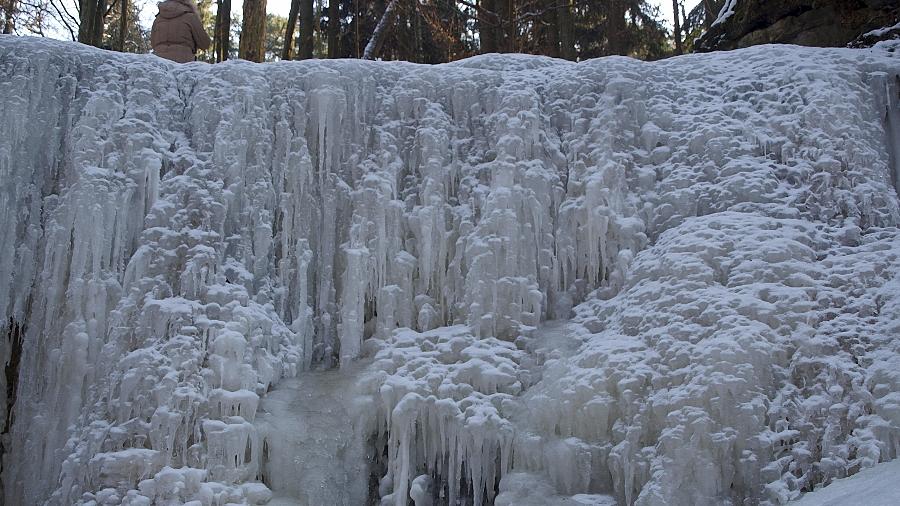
(676, 15)
(550, 31)
(123, 24)
(253, 31)
(417, 41)
(617, 28)
(288, 49)
(488, 26)
(217, 31)
(507, 30)
(99, 17)
(307, 24)
(226, 30)
(512, 27)
(90, 28)
(9, 23)
(373, 48)
(222, 32)
(334, 28)
(86, 11)
(566, 31)
(356, 18)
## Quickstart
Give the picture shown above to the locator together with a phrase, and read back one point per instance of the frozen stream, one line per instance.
(319, 443)
(309, 425)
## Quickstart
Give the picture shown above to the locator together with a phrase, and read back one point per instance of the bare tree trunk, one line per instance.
(217, 29)
(488, 26)
(512, 27)
(288, 49)
(417, 27)
(356, 18)
(373, 48)
(506, 15)
(99, 17)
(334, 28)
(222, 33)
(91, 15)
(550, 29)
(86, 11)
(123, 24)
(566, 31)
(676, 15)
(253, 31)
(617, 28)
(9, 10)
(307, 24)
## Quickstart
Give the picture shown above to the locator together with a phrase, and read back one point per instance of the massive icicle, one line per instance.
(175, 240)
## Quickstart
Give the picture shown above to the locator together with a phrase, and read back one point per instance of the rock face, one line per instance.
(824, 23)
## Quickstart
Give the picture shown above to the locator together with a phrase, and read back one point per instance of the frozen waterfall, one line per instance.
(508, 280)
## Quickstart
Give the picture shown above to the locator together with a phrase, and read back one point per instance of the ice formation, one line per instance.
(508, 280)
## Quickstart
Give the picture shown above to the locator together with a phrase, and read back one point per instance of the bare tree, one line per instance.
(222, 30)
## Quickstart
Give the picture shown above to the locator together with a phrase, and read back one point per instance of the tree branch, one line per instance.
(62, 18)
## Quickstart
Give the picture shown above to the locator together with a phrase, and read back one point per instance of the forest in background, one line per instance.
(422, 31)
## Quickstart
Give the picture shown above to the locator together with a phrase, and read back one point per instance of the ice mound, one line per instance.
(330, 282)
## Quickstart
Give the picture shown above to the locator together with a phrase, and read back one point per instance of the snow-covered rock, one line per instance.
(715, 236)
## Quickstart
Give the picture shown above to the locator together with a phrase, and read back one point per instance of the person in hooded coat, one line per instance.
(177, 32)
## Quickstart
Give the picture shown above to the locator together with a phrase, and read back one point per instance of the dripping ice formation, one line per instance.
(508, 280)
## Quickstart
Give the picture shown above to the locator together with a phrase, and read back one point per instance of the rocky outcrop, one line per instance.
(825, 23)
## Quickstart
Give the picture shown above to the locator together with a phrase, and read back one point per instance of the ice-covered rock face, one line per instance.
(720, 231)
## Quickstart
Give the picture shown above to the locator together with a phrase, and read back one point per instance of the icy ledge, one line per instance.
(717, 232)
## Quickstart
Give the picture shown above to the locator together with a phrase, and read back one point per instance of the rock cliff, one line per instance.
(824, 23)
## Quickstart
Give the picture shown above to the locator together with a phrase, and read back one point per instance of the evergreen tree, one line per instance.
(135, 39)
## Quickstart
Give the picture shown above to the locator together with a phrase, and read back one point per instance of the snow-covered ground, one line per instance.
(877, 486)
(508, 280)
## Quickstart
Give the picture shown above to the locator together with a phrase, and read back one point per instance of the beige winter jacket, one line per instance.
(177, 32)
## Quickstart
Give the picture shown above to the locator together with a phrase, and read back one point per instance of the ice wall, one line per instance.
(176, 239)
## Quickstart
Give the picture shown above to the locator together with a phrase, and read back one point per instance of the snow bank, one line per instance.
(720, 229)
(875, 487)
